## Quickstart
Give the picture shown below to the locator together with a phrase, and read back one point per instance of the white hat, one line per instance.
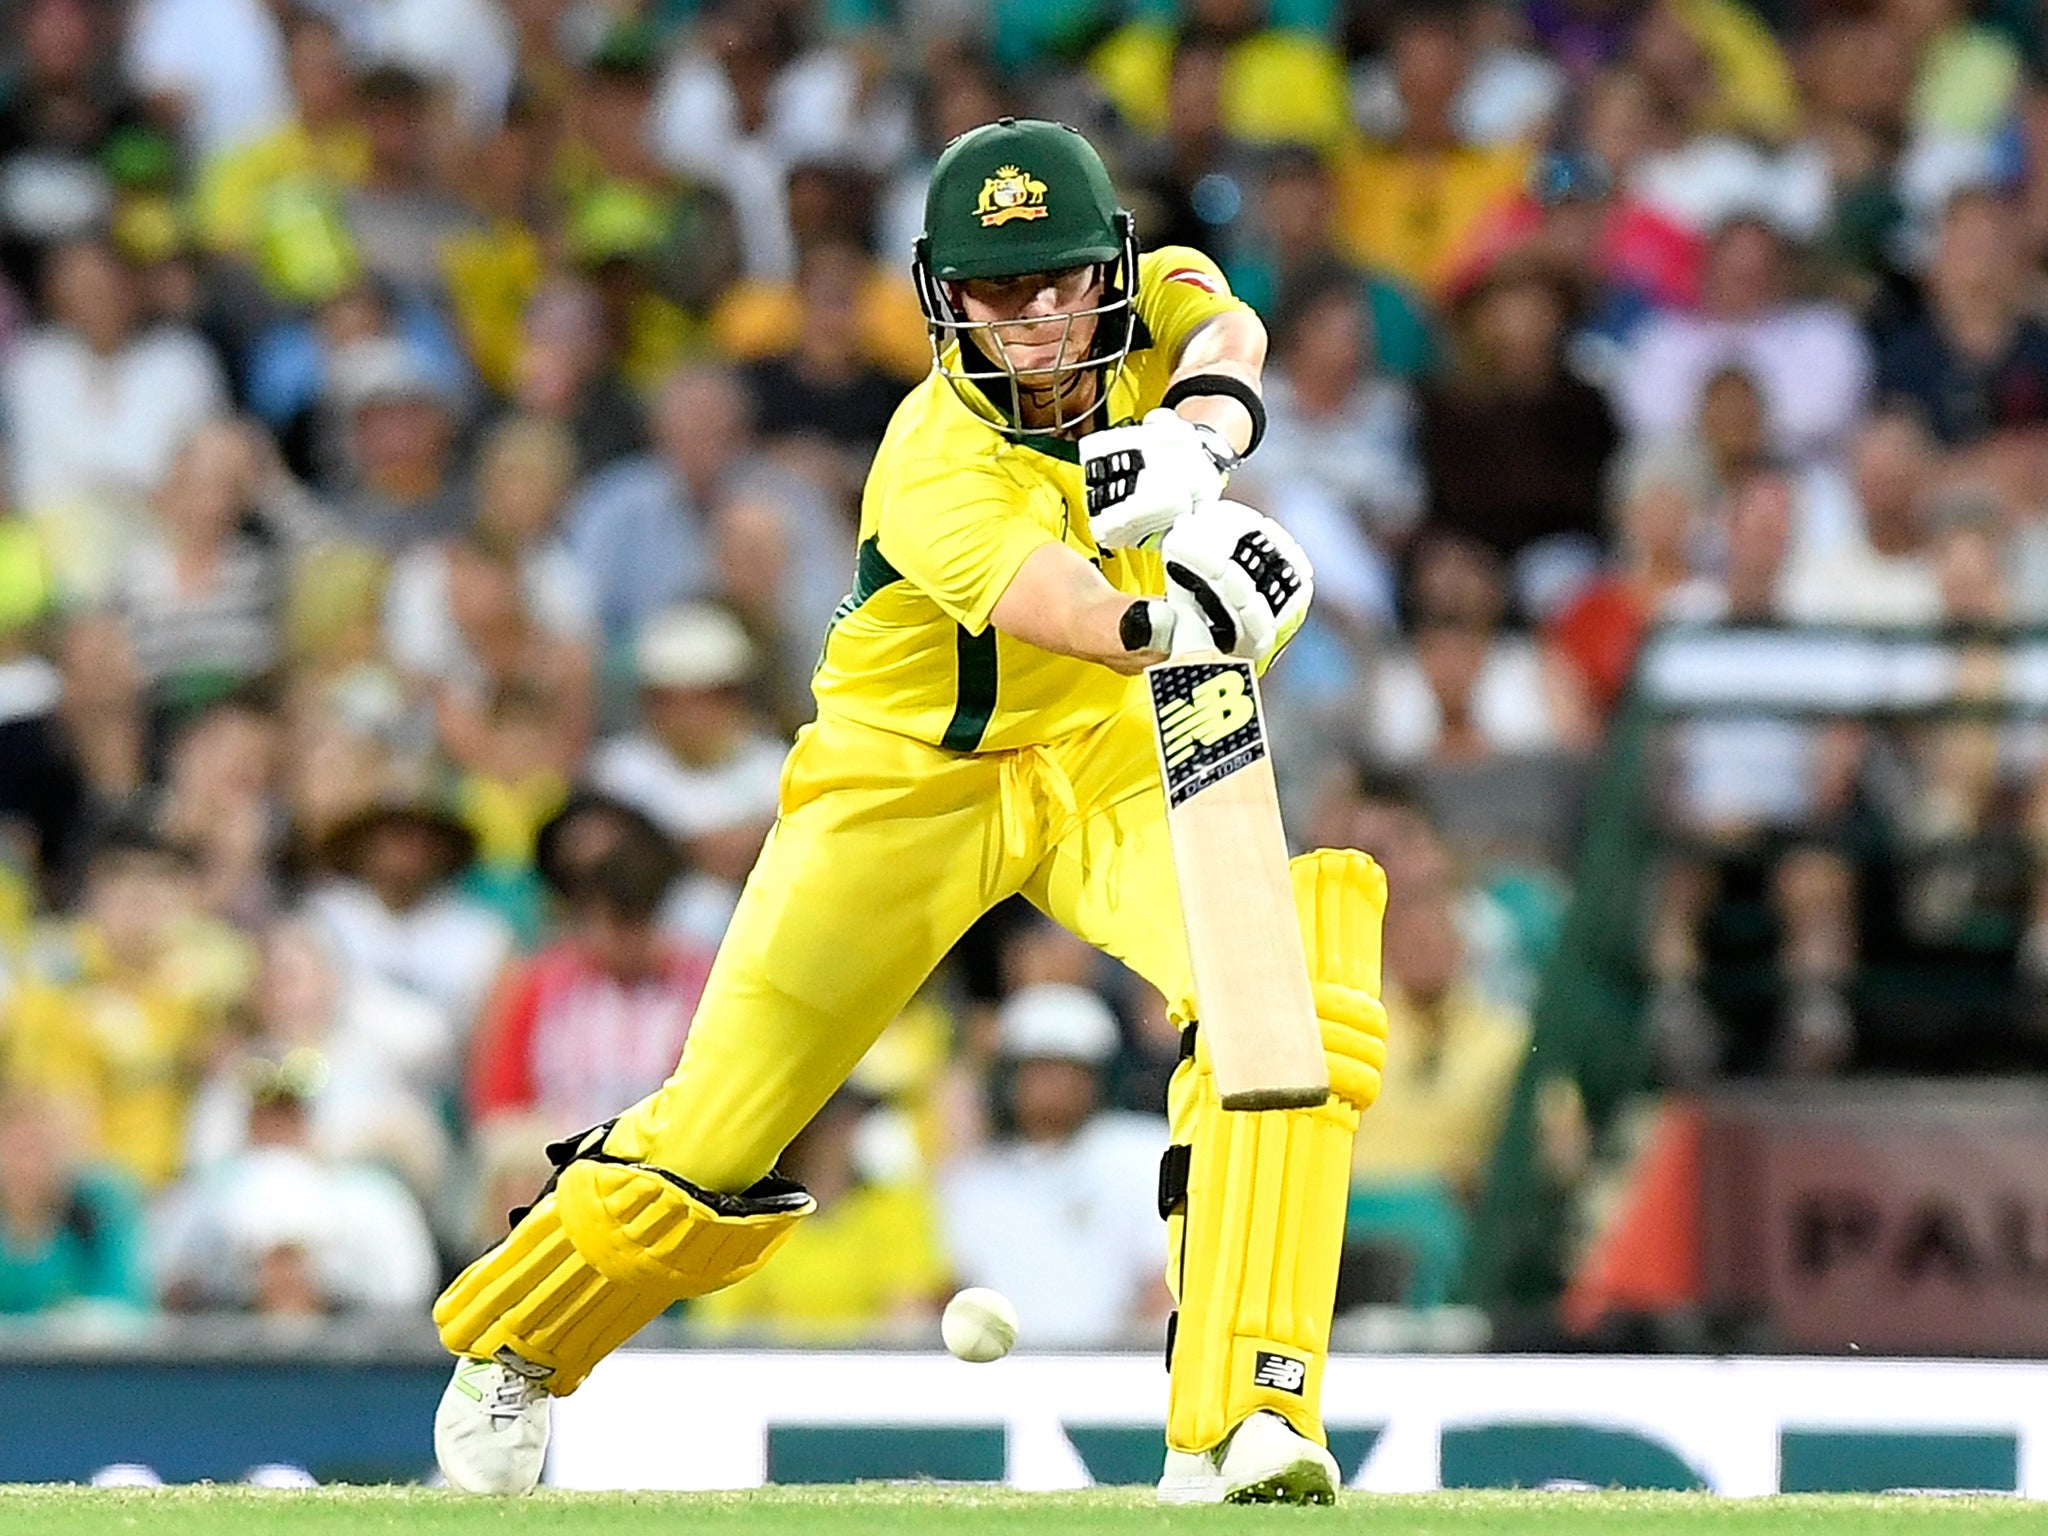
(1059, 1020)
(383, 368)
(694, 646)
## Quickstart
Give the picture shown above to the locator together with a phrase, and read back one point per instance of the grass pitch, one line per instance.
(900, 1510)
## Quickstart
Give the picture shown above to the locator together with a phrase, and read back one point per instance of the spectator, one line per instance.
(1509, 94)
(467, 48)
(598, 1018)
(1407, 204)
(96, 409)
(65, 100)
(832, 204)
(641, 529)
(746, 101)
(1058, 1213)
(1812, 365)
(1293, 243)
(1655, 507)
(201, 592)
(1452, 1068)
(503, 653)
(400, 215)
(1335, 429)
(1737, 787)
(701, 767)
(1976, 362)
(1455, 1060)
(70, 1230)
(399, 424)
(323, 142)
(1504, 939)
(1886, 572)
(1277, 84)
(389, 907)
(283, 1232)
(711, 515)
(1514, 447)
(568, 372)
(116, 1013)
(524, 471)
(659, 247)
(65, 109)
(516, 755)
(289, 373)
(1465, 690)
(866, 1268)
(220, 799)
(1191, 183)
(824, 389)
(374, 1064)
(493, 267)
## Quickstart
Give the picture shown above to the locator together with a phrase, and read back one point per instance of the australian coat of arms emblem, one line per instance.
(1010, 194)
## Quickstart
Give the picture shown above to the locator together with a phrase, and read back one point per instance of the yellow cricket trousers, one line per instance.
(885, 852)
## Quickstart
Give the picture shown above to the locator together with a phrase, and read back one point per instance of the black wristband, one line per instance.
(1138, 629)
(1222, 384)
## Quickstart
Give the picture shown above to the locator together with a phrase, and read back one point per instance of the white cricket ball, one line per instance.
(980, 1324)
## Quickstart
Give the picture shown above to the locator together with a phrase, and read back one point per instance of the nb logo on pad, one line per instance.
(1280, 1373)
(1215, 709)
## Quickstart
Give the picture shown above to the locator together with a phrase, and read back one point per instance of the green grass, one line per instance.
(916, 1510)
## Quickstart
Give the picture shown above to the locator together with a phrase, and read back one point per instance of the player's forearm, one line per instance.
(1058, 602)
(1231, 346)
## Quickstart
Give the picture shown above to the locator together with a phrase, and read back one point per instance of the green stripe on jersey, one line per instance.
(977, 690)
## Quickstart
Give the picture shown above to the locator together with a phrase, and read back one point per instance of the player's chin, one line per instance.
(1037, 367)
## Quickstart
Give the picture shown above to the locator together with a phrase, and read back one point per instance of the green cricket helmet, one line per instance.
(1007, 199)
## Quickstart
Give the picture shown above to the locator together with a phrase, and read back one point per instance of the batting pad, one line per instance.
(1255, 1204)
(606, 1251)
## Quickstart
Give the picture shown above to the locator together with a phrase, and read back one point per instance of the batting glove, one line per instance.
(1237, 577)
(1141, 477)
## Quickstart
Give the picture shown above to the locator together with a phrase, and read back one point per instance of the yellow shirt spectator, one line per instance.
(757, 319)
(1278, 86)
(1444, 1091)
(235, 185)
(491, 273)
(869, 1260)
(1408, 211)
(125, 1050)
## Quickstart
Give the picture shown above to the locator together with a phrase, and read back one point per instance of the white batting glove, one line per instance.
(1141, 477)
(1237, 578)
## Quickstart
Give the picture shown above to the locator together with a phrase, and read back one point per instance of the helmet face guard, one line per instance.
(972, 358)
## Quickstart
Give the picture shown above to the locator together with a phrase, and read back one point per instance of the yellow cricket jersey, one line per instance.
(951, 509)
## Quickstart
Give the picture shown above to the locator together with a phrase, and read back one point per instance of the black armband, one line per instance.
(1222, 384)
(1138, 629)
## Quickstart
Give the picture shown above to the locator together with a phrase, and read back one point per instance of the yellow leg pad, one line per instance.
(1257, 1238)
(1258, 1242)
(602, 1255)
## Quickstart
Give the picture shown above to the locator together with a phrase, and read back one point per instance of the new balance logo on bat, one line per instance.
(1280, 1373)
(1214, 710)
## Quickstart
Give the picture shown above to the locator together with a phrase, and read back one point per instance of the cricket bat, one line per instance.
(1252, 996)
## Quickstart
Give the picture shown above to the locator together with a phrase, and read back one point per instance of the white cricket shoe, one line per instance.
(491, 1430)
(1265, 1461)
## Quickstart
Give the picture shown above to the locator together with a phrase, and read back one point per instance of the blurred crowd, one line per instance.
(433, 432)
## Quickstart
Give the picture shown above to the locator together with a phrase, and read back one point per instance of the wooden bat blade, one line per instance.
(1257, 1017)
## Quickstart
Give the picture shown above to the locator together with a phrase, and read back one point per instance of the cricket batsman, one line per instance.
(1043, 520)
